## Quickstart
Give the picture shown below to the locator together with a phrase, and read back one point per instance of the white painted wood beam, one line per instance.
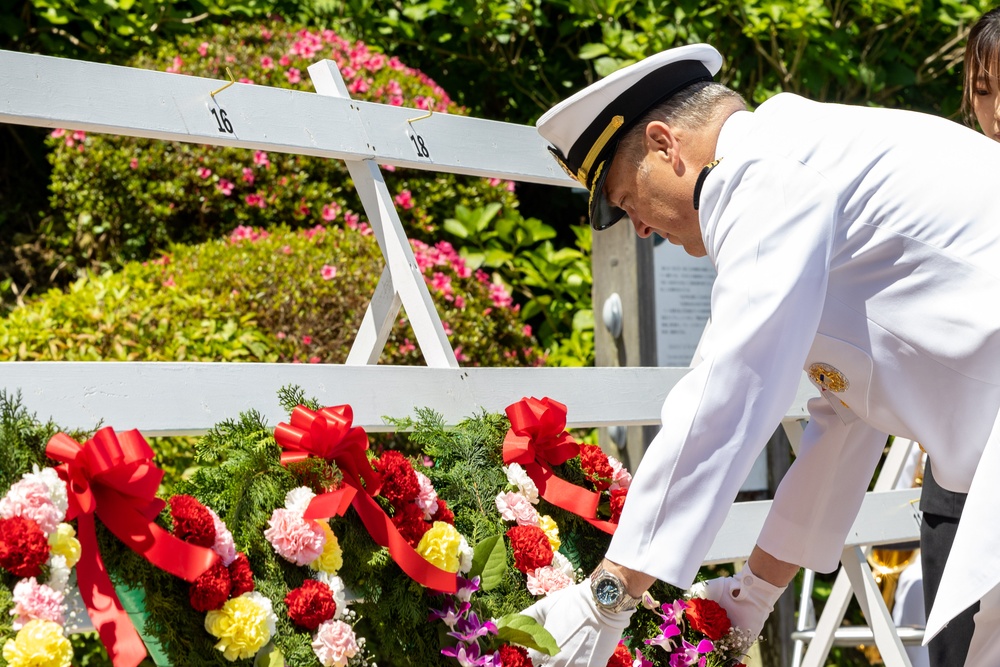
(59, 92)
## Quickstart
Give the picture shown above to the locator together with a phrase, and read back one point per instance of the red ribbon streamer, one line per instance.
(112, 477)
(537, 440)
(328, 435)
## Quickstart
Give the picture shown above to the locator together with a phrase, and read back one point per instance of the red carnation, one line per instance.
(23, 546)
(621, 657)
(399, 482)
(409, 521)
(514, 656)
(240, 576)
(192, 521)
(708, 618)
(211, 589)
(531, 548)
(595, 464)
(310, 604)
(443, 513)
(617, 504)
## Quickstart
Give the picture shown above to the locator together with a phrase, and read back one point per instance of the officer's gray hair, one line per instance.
(693, 107)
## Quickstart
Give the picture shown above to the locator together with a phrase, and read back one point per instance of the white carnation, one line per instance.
(464, 556)
(336, 585)
(518, 476)
(298, 499)
(58, 573)
(562, 564)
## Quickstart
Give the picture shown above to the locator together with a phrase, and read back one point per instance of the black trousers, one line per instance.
(942, 510)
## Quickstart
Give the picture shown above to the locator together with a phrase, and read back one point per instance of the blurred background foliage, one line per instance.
(64, 211)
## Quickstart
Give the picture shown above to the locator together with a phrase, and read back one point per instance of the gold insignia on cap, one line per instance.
(598, 146)
(828, 377)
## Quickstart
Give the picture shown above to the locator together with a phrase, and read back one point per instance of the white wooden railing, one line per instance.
(188, 398)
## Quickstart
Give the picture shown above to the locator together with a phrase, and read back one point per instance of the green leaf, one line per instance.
(269, 656)
(453, 226)
(594, 50)
(489, 561)
(526, 631)
(486, 214)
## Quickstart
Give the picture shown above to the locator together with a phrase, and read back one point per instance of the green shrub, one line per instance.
(283, 295)
(116, 199)
(554, 283)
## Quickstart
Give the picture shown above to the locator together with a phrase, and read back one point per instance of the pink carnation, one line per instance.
(29, 498)
(427, 499)
(621, 478)
(34, 600)
(548, 579)
(224, 545)
(293, 538)
(335, 643)
(515, 507)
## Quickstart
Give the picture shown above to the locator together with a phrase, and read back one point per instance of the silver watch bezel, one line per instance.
(624, 601)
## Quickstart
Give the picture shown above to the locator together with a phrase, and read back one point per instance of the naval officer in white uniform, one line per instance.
(860, 245)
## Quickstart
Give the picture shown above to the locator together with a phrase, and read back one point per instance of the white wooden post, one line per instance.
(852, 579)
(402, 282)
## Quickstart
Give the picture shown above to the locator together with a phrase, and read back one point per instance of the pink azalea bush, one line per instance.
(118, 198)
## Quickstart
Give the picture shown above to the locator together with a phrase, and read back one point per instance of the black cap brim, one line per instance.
(603, 213)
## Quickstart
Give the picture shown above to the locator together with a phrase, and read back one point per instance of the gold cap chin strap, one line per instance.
(598, 146)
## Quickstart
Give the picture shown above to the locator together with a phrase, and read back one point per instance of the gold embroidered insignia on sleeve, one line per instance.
(828, 377)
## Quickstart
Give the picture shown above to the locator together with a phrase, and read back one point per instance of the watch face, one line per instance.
(606, 592)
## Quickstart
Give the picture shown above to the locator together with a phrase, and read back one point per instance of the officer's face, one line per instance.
(986, 105)
(658, 194)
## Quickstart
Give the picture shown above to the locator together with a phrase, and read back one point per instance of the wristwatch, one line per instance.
(609, 592)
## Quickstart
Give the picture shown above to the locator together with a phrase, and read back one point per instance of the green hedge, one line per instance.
(283, 295)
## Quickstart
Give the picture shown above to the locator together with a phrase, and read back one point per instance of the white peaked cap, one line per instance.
(585, 129)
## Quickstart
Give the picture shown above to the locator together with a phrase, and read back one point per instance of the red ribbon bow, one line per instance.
(112, 476)
(537, 440)
(328, 434)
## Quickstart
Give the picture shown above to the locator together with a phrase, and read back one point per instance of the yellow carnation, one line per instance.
(243, 626)
(441, 546)
(332, 558)
(551, 530)
(65, 544)
(38, 644)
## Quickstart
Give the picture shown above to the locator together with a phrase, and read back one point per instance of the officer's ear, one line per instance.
(662, 139)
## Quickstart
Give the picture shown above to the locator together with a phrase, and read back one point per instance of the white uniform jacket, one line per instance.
(863, 246)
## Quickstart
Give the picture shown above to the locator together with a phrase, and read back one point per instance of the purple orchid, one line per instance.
(451, 614)
(665, 639)
(689, 654)
(471, 628)
(673, 612)
(466, 587)
(641, 660)
(468, 655)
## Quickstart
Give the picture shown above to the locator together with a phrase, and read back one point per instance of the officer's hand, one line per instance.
(747, 599)
(586, 635)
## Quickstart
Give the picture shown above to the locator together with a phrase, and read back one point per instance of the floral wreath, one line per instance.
(35, 538)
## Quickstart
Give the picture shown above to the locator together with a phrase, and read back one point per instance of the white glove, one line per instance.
(747, 599)
(586, 634)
